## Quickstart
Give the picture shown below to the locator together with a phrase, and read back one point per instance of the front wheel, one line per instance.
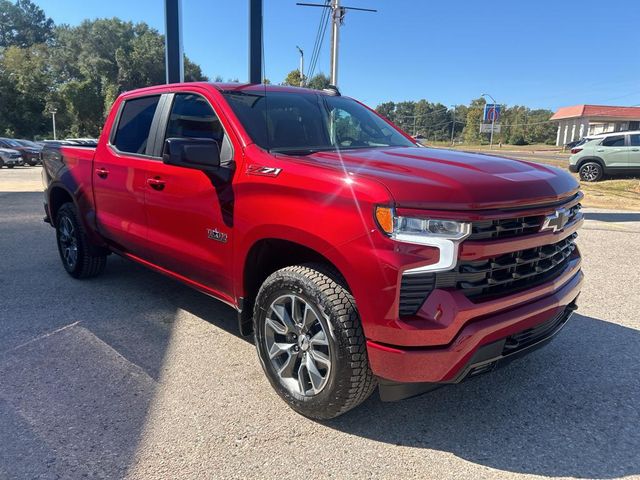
(310, 342)
(9, 166)
(591, 172)
(78, 258)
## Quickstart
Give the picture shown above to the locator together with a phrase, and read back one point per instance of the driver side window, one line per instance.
(193, 117)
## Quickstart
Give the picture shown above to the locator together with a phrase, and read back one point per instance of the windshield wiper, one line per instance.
(300, 150)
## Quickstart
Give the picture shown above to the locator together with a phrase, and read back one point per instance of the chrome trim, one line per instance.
(448, 250)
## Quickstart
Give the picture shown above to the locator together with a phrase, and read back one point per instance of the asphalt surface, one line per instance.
(135, 375)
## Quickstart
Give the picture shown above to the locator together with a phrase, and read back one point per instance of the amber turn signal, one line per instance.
(384, 217)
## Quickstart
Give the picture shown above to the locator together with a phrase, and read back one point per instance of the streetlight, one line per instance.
(53, 119)
(493, 118)
(301, 66)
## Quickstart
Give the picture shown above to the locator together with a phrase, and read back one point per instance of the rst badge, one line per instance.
(555, 221)
(215, 234)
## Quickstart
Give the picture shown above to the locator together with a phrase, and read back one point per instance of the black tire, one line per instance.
(349, 381)
(70, 235)
(10, 166)
(591, 172)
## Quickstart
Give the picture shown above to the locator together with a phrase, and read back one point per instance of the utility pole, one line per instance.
(337, 19)
(301, 66)
(453, 123)
(53, 119)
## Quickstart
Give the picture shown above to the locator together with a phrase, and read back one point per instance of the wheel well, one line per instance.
(591, 159)
(57, 198)
(265, 257)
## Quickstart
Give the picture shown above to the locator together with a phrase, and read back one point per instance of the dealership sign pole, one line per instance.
(491, 113)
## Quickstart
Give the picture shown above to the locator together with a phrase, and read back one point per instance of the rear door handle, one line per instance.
(635, 150)
(156, 183)
(102, 172)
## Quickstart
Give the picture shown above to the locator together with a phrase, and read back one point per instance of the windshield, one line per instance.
(301, 123)
(28, 143)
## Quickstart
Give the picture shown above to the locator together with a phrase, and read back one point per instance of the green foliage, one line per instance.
(79, 71)
(292, 79)
(319, 81)
(23, 24)
(433, 121)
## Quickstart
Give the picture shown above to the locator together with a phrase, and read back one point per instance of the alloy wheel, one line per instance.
(68, 242)
(297, 343)
(590, 173)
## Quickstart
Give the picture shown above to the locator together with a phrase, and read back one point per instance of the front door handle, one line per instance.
(156, 183)
(102, 172)
(635, 150)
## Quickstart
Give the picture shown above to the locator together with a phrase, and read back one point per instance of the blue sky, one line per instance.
(542, 53)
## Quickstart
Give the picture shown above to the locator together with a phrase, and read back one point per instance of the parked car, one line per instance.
(607, 154)
(28, 143)
(10, 158)
(354, 258)
(30, 155)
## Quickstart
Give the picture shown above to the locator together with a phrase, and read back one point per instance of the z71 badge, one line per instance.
(215, 234)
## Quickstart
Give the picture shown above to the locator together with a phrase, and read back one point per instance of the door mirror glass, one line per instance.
(197, 153)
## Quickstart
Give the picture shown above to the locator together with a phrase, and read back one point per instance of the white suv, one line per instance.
(611, 153)
(10, 158)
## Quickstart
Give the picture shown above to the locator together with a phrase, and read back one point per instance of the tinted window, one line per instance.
(192, 117)
(617, 141)
(634, 140)
(282, 121)
(135, 123)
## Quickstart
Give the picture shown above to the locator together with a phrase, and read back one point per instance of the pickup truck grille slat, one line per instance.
(492, 277)
(511, 272)
(512, 227)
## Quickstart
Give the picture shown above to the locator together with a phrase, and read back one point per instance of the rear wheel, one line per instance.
(591, 172)
(310, 342)
(78, 258)
(9, 166)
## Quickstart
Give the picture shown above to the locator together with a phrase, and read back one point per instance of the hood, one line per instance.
(451, 180)
(9, 151)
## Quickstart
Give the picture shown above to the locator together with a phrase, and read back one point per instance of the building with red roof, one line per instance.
(579, 121)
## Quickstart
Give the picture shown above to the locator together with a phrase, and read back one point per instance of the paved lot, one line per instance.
(134, 375)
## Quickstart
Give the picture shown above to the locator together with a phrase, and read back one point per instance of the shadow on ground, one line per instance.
(577, 418)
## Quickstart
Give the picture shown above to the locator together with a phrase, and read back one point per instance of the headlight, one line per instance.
(445, 235)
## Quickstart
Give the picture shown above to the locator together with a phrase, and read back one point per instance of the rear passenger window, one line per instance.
(634, 140)
(617, 141)
(134, 124)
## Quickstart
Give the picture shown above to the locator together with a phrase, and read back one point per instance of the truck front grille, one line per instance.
(492, 277)
(513, 227)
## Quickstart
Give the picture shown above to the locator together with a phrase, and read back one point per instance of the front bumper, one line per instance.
(448, 363)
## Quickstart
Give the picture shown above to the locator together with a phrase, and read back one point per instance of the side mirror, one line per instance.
(198, 153)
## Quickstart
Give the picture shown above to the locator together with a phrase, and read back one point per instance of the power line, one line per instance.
(337, 19)
(317, 42)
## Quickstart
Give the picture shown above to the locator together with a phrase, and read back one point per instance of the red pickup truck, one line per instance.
(356, 258)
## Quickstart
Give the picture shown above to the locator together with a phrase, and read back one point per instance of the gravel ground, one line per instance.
(134, 375)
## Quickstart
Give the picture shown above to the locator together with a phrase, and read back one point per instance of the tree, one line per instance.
(471, 131)
(319, 82)
(24, 84)
(23, 24)
(387, 110)
(292, 79)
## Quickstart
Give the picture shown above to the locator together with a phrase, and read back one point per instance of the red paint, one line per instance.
(160, 214)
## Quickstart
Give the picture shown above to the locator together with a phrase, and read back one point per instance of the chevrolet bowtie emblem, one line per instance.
(556, 221)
